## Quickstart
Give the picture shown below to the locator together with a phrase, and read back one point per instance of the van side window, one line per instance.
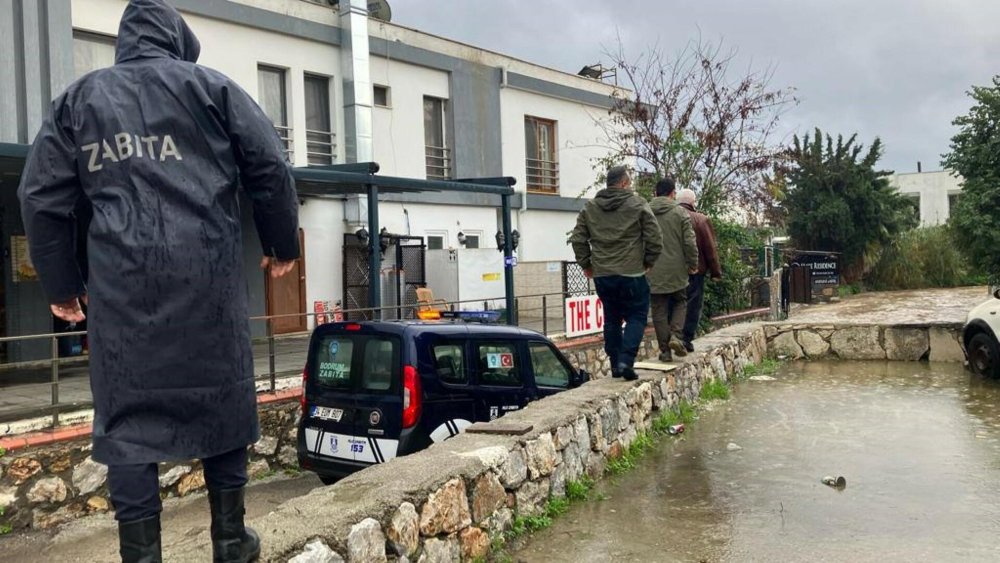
(334, 362)
(498, 364)
(449, 364)
(549, 370)
(378, 365)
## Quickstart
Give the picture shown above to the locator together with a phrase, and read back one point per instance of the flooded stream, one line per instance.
(919, 446)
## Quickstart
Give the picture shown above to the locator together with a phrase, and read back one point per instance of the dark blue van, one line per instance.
(373, 391)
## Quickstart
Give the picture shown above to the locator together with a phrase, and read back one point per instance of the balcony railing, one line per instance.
(321, 147)
(438, 161)
(543, 175)
(285, 134)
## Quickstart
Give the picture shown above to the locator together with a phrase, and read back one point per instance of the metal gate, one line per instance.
(404, 258)
(574, 280)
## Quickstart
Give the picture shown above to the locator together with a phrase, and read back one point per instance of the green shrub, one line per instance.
(922, 258)
(714, 390)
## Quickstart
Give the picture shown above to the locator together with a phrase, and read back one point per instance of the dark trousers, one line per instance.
(696, 298)
(669, 316)
(135, 489)
(625, 300)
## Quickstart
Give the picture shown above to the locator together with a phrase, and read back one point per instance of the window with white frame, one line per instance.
(541, 162)
(321, 145)
(437, 240)
(272, 95)
(436, 151)
(91, 51)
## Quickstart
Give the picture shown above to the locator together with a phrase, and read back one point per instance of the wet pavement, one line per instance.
(94, 539)
(919, 445)
(924, 306)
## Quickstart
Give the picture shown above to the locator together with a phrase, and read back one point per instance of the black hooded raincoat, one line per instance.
(158, 147)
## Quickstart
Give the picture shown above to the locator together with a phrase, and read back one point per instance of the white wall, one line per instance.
(933, 189)
(579, 137)
(399, 129)
(544, 234)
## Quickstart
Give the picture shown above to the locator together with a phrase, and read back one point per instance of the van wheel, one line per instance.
(984, 358)
(327, 480)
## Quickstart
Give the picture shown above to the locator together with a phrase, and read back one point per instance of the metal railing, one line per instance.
(321, 147)
(438, 161)
(542, 175)
(56, 385)
(285, 134)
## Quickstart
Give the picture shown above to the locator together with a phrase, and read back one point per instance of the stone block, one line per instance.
(814, 345)
(257, 469)
(564, 436)
(475, 544)
(171, 477)
(98, 504)
(52, 489)
(8, 496)
(785, 345)
(366, 543)
(542, 456)
(317, 551)
(22, 469)
(907, 344)
(857, 343)
(191, 482)
(488, 496)
(288, 457)
(944, 345)
(89, 476)
(501, 521)
(266, 446)
(514, 470)
(404, 530)
(446, 510)
(531, 497)
(441, 551)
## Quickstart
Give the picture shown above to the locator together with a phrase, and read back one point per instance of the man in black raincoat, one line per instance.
(158, 146)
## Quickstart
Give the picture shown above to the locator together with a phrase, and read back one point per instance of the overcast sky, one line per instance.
(896, 69)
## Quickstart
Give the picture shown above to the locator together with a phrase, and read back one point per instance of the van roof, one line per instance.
(436, 327)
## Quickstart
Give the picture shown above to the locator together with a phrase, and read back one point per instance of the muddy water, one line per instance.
(918, 444)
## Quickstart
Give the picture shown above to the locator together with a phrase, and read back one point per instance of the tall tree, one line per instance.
(975, 155)
(838, 202)
(698, 117)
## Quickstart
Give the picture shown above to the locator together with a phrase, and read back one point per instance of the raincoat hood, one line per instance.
(152, 29)
(661, 205)
(610, 199)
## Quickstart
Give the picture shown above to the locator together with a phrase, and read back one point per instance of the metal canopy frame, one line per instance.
(339, 180)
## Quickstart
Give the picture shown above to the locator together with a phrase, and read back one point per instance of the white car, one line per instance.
(979, 338)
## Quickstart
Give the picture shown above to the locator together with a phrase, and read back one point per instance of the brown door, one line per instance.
(287, 296)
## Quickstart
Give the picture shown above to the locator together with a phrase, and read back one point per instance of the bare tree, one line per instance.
(693, 116)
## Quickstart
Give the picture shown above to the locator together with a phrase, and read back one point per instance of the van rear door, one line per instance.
(352, 396)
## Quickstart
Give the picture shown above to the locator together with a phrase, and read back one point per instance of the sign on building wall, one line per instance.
(584, 315)
(21, 267)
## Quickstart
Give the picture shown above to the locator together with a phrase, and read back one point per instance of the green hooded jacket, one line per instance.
(680, 248)
(616, 234)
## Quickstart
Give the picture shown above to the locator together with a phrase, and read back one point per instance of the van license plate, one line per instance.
(327, 413)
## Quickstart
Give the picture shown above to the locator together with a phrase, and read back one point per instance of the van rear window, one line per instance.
(357, 363)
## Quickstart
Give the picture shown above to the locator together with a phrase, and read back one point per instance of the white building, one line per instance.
(343, 88)
(934, 193)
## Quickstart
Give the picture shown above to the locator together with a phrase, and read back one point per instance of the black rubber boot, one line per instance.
(139, 540)
(232, 542)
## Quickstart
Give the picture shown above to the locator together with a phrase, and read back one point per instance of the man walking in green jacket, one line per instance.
(668, 280)
(616, 241)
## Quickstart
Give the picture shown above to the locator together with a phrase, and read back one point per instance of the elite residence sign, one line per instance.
(584, 315)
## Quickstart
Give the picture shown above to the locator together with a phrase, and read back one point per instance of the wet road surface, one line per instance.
(919, 445)
(94, 539)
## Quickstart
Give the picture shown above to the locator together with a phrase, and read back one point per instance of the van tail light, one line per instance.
(302, 399)
(353, 327)
(411, 397)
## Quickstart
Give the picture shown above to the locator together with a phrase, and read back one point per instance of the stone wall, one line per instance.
(936, 343)
(46, 486)
(446, 502)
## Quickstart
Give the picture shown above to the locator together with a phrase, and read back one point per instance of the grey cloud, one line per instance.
(897, 69)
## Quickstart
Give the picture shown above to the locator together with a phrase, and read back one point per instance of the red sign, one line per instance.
(506, 360)
(319, 308)
(584, 315)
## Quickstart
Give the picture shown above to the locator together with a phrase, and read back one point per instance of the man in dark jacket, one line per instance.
(616, 240)
(158, 147)
(668, 280)
(708, 262)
